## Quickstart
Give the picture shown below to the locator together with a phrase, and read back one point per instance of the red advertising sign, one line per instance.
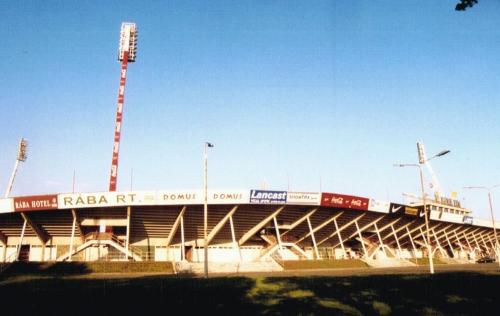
(344, 201)
(35, 203)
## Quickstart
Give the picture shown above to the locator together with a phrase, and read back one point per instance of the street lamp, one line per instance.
(205, 206)
(497, 256)
(422, 160)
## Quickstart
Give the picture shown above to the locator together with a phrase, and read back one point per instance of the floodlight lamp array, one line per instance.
(22, 152)
(128, 41)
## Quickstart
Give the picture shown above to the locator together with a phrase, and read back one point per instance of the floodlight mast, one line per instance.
(126, 53)
(21, 156)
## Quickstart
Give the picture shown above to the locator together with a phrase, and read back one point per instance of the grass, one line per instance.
(66, 268)
(425, 261)
(323, 264)
(457, 293)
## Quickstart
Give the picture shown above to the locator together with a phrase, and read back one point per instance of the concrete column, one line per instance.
(278, 238)
(313, 238)
(21, 239)
(72, 238)
(380, 239)
(183, 248)
(340, 238)
(397, 241)
(127, 238)
(361, 239)
(233, 235)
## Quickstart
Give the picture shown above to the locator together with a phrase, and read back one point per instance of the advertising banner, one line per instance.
(468, 220)
(412, 211)
(397, 209)
(106, 199)
(344, 201)
(303, 198)
(6, 205)
(177, 197)
(268, 197)
(35, 203)
(228, 197)
(379, 206)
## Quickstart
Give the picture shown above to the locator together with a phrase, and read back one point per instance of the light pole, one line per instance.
(21, 156)
(205, 206)
(422, 160)
(497, 256)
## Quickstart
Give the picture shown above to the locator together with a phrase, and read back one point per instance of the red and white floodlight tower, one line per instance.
(126, 54)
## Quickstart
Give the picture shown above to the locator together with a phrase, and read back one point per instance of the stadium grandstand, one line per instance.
(253, 230)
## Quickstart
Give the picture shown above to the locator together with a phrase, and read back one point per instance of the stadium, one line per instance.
(233, 229)
(249, 230)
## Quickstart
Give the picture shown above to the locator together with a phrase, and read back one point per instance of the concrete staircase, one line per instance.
(94, 239)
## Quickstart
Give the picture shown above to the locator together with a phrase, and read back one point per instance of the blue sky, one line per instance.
(294, 94)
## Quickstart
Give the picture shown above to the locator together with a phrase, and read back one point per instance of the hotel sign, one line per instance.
(35, 203)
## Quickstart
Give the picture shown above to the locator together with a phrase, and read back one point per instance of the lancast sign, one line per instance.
(344, 201)
(268, 197)
(6, 205)
(35, 203)
(303, 198)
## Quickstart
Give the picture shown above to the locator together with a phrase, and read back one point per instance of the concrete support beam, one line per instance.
(361, 239)
(408, 233)
(40, 233)
(220, 224)
(404, 226)
(280, 245)
(127, 238)
(341, 229)
(362, 228)
(175, 226)
(3, 239)
(78, 225)
(19, 244)
(339, 236)
(380, 239)
(313, 238)
(299, 221)
(259, 226)
(320, 226)
(233, 236)
(397, 241)
(412, 242)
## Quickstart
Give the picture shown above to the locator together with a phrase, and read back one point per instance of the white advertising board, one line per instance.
(181, 197)
(379, 206)
(6, 205)
(228, 196)
(446, 217)
(303, 198)
(105, 199)
(137, 198)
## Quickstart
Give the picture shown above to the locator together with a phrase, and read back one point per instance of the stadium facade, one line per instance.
(245, 227)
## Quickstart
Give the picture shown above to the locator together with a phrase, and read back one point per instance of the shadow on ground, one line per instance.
(442, 294)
